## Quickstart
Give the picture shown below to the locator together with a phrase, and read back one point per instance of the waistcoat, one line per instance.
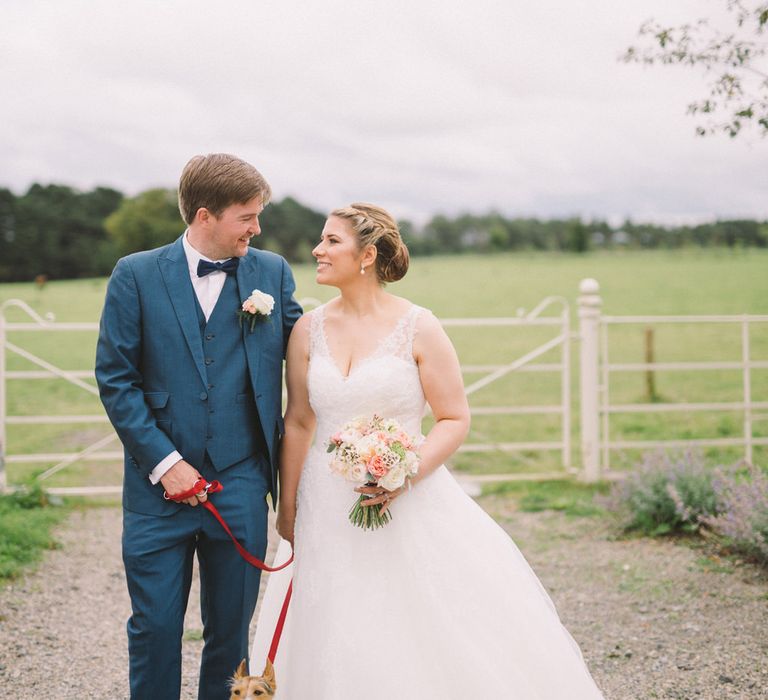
(233, 430)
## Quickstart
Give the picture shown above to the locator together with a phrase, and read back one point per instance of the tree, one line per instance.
(149, 220)
(97, 246)
(445, 233)
(56, 231)
(290, 229)
(738, 94)
(7, 232)
(577, 237)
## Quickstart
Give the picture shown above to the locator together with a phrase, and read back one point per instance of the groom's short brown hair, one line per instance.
(217, 180)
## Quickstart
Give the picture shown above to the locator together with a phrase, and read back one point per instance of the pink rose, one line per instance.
(249, 306)
(376, 466)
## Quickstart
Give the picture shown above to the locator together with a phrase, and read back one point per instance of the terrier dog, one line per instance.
(247, 687)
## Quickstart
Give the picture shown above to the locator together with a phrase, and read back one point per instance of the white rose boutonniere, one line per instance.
(256, 308)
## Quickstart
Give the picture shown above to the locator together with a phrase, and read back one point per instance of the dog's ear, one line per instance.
(241, 671)
(269, 673)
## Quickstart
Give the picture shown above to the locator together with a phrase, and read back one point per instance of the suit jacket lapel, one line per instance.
(175, 273)
(247, 281)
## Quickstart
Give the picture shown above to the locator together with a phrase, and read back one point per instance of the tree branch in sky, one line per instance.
(732, 56)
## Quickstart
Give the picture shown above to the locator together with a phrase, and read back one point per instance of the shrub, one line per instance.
(26, 521)
(742, 495)
(666, 493)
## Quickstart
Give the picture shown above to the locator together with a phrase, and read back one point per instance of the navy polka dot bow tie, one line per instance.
(204, 267)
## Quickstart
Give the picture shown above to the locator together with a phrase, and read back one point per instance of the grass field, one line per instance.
(632, 283)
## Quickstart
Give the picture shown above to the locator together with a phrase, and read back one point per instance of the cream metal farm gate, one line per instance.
(105, 448)
(46, 370)
(595, 372)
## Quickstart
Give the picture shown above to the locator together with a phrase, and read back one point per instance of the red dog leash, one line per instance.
(280, 622)
(214, 487)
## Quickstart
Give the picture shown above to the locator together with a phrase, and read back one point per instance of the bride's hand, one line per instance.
(286, 520)
(380, 496)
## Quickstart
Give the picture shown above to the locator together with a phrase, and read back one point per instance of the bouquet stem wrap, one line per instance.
(368, 518)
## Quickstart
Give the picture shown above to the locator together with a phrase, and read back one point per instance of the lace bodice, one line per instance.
(385, 382)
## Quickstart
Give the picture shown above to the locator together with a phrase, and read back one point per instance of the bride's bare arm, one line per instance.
(443, 387)
(440, 375)
(299, 426)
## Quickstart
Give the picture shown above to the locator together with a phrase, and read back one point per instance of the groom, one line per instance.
(193, 390)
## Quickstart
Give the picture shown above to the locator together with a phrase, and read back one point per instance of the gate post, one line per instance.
(589, 328)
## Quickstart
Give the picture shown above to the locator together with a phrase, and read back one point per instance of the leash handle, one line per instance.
(214, 487)
(200, 485)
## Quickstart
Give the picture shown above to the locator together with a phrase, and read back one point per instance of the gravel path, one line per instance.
(654, 619)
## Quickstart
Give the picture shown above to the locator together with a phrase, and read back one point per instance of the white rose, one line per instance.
(393, 479)
(358, 473)
(412, 462)
(263, 302)
(339, 466)
(369, 444)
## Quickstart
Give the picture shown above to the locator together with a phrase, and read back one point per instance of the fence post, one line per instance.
(3, 403)
(589, 328)
(747, 382)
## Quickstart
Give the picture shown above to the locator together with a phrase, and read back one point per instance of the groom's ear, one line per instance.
(242, 671)
(202, 216)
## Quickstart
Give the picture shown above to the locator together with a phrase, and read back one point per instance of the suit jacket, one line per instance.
(150, 364)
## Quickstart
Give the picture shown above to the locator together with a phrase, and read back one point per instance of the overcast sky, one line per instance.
(422, 106)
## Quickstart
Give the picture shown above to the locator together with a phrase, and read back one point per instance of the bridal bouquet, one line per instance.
(374, 452)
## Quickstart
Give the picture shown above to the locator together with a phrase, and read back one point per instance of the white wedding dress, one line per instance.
(437, 605)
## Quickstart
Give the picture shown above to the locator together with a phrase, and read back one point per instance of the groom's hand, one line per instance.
(182, 477)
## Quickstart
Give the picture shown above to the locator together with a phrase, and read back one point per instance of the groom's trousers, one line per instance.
(158, 553)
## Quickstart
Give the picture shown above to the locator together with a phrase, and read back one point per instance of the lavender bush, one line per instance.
(665, 493)
(742, 495)
(668, 493)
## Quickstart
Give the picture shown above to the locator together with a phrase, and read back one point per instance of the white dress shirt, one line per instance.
(207, 290)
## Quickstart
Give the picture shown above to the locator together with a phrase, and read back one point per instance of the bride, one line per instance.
(439, 603)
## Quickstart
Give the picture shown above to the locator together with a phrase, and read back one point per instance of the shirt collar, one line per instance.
(193, 255)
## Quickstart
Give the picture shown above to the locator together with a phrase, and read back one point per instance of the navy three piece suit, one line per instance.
(170, 380)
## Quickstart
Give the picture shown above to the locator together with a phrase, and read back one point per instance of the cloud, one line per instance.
(422, 106)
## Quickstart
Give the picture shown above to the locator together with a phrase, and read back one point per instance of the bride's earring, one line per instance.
(362, 270)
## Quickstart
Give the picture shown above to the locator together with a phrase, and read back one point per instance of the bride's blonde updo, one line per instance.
(375, 226)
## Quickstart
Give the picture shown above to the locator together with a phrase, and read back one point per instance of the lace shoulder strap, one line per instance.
(400, 342)
(317, 342)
